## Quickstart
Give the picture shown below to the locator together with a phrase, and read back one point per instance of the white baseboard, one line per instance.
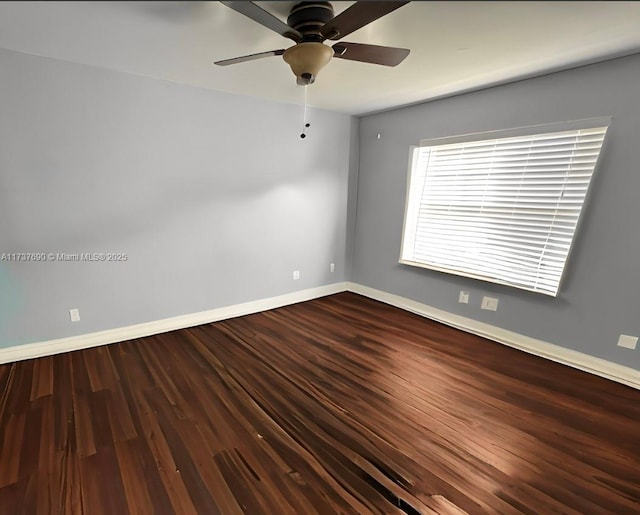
(579, 360)
(575, 359)
(84, 341)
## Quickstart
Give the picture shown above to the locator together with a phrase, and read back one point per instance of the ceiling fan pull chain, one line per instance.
(304, 116)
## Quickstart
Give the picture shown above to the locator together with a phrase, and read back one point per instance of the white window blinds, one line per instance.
(504, 209)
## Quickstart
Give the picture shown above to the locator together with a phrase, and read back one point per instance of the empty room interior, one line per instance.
(295, 258)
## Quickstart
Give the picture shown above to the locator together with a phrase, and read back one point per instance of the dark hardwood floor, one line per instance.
(338, 405)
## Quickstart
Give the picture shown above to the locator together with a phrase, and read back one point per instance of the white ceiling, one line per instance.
(455, 46)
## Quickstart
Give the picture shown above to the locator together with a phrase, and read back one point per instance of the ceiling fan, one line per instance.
(311, 23)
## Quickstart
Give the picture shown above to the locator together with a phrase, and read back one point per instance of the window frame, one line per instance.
(412, 208)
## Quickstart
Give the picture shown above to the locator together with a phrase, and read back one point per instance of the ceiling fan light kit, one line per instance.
(306, 60)
(311, 23)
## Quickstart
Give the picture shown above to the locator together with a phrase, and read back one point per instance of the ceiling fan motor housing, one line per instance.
(308, 18)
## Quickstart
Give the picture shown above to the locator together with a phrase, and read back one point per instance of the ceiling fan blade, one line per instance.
(356, 16)
(374, 54)
(250, 57)
(264, 18)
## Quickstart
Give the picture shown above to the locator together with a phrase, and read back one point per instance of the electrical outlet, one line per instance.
(296, 275)
(628, 342)
(332, 267)
(489, 303)
(74, 314)
(464, 297)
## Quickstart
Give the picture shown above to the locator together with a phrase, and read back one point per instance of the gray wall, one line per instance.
(214, 197)
(600, 293)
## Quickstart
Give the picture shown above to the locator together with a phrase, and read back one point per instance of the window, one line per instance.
(501, 207)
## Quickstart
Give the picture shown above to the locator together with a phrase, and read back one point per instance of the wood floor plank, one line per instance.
(31, 438)
(169, 472)
(66, 476)
(100, 369)
(84, 411)
(11, 446)
(101, 483)
(42, 383)
(133, 481)
(17, 391)
(337, 405)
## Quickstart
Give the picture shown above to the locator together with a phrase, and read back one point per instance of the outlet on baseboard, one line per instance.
(489, 303)
(628, 342)
(464, 297)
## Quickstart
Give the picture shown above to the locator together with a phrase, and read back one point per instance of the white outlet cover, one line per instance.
(74, 314)
(628, 342)
(489, 303)
(296, 275)
(464, 297)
